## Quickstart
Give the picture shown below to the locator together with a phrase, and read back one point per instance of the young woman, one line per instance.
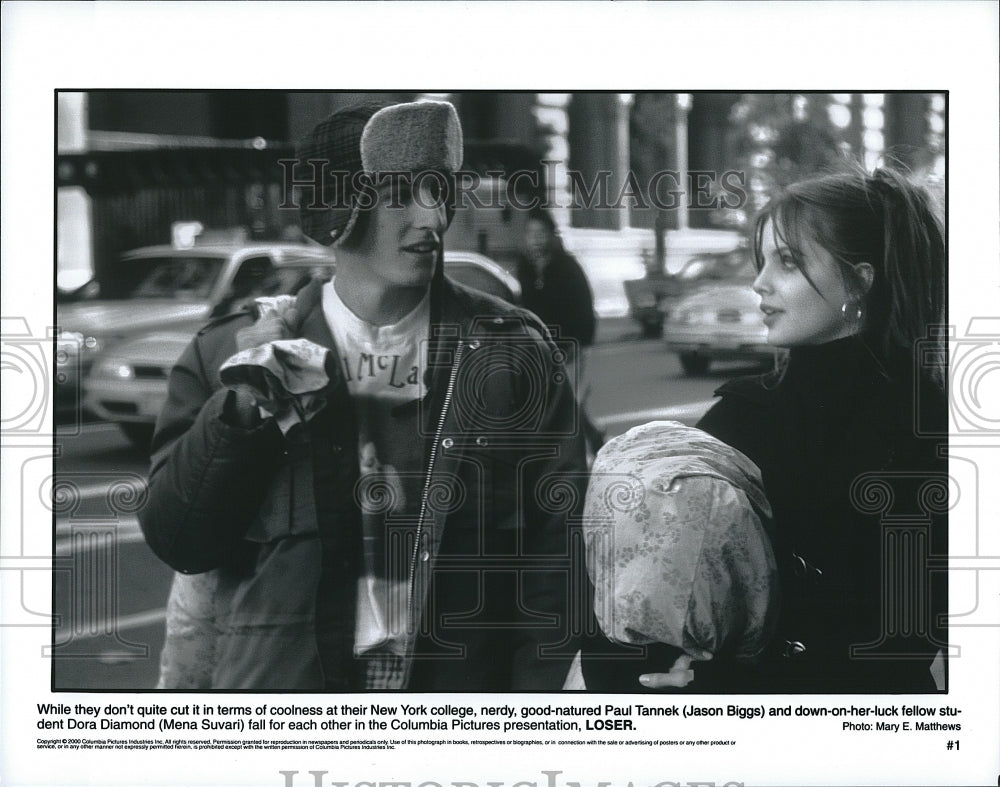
(851, 278)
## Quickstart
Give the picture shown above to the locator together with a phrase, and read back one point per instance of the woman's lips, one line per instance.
(770, 314)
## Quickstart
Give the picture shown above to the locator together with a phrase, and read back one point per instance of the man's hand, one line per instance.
(274, 324)
(680, 675)
(278, 323)
(241, 408)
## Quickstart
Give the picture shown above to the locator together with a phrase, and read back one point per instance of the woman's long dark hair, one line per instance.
(890, 223)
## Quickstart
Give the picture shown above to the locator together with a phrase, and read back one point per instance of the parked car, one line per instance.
(694, 259)
(127, 384)
(723, 322)
(157, 287)
(481, 273)
(644, 298)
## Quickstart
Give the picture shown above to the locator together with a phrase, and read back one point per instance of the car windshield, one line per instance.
(735, 266)
(180, 278)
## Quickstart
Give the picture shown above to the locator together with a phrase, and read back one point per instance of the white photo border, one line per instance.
(927, 46)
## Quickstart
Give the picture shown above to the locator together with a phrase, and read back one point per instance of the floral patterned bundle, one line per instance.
(677, 548)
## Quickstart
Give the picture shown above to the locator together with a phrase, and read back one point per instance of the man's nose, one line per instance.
(428, 213)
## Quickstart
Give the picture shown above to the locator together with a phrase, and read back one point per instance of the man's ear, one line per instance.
(864, 274)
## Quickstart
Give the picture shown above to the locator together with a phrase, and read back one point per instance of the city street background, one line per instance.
(138, 168)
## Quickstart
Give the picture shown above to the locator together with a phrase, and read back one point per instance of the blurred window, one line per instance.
(256, 276)
(292, 278)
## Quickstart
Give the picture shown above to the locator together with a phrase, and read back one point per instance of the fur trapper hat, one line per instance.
(366, 140)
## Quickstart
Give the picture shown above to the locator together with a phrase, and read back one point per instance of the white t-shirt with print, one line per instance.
(384, 368)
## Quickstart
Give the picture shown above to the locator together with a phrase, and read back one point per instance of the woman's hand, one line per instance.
(680, 675)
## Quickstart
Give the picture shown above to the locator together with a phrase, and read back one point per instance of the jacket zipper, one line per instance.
(449, 391)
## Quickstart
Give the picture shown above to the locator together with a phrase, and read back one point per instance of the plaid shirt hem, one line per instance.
(384, 671)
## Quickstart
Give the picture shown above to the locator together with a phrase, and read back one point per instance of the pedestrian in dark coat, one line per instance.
(553, 285)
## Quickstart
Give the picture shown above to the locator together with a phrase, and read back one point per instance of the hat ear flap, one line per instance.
(326, 163)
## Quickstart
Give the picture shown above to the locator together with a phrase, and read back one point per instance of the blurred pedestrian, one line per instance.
(848, 438)
(374, 517)
(555, 287)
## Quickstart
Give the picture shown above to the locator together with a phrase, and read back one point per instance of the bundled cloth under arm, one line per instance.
(676, 543)
(288, 377)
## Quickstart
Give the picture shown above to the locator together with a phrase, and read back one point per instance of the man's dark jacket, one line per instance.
(490, 576)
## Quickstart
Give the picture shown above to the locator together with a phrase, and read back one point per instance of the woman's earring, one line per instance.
(847, 310)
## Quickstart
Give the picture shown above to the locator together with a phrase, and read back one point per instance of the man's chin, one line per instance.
(420, 280)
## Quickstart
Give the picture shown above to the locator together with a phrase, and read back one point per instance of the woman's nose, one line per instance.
(761, 283)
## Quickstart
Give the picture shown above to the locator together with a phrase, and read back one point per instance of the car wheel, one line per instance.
(140, 435)
(652, 329)
(692, 363)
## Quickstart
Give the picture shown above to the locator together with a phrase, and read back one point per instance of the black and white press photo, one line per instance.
(499, 394)
(488, 391)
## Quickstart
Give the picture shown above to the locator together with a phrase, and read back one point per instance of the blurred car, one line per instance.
(157, 287)
(128, 382)
(652, 297)
(723, 322)
(481, 273)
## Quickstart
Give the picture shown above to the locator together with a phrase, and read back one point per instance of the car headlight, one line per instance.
(114, 368)
(70, 337)
(67, 347)
(79, 340)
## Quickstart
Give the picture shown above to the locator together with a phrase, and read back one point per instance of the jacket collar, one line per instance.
(312, 321)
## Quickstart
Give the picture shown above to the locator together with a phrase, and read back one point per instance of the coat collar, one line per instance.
(313, 325)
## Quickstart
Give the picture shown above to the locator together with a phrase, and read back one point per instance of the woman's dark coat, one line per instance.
(854, 468)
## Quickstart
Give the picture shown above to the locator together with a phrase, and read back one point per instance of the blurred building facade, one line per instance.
(130, 164)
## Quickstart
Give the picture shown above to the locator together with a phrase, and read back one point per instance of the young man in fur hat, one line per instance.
(376, 480)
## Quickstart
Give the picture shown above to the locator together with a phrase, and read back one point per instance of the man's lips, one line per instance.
(422, 247)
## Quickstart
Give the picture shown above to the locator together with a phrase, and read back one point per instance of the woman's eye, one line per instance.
(787, 262)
